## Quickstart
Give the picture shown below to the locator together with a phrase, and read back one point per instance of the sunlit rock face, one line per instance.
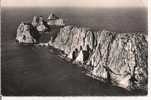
(122, 59)
(35, 21)
(71, 38)
(99, 57)
(127, 60)
(24, 34)
(119, 58)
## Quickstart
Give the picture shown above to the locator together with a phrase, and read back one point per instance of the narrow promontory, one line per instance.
(117, 58)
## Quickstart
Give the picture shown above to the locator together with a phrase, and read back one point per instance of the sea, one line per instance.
(33, 71)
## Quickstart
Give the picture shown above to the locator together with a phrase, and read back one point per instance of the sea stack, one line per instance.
(24, 34)
(39, 23)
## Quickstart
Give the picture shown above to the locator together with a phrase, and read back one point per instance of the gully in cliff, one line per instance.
(117, 58)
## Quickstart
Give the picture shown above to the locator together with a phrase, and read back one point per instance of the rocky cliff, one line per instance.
(117, 58)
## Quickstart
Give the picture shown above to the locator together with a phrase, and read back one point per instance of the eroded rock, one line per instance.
(39, 23)
(119, 58)
(24, 34)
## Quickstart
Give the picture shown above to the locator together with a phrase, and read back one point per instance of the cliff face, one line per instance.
(119, 58)
(70, 38)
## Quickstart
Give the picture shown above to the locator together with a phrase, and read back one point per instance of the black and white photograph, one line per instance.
(74, 48)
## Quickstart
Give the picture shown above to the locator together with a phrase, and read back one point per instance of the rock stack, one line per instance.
(24, 34)
(39, 23)
(31, 32)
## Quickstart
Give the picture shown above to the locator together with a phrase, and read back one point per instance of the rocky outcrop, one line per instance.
(39, 23)
(117, 58)
(24, 34)
(39, 30)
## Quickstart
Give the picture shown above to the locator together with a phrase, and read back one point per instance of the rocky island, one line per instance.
(117, 58)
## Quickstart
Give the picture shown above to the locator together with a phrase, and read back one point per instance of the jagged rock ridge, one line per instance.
(119, 58)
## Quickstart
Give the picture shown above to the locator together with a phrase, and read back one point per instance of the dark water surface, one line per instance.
(27, 70)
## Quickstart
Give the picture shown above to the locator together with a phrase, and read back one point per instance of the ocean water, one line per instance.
(28, 70)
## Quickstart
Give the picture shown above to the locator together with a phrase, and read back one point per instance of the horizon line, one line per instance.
(68, 7)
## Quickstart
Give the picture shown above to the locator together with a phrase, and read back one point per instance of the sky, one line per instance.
(74, 3)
